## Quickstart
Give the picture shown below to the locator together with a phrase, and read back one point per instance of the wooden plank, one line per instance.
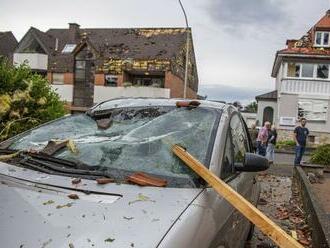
(267, 226)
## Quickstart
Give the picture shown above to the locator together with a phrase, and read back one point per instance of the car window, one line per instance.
(239, 137)
(237, 144)
(227, 168)
(138, 139)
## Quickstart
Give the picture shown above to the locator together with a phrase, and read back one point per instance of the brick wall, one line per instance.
(68, 78)
(176, 84)
(99, 79)
(50, 77)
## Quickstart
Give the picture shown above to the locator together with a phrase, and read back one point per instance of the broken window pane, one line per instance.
(322, 71)
(293, 70)
(138, 139)
(307, 70)
(315, 110)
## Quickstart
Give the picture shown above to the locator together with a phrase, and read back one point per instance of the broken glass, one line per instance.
(138, 139)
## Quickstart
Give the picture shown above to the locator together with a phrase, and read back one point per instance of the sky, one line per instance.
(235, 41)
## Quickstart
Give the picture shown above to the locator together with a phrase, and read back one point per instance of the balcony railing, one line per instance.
(102, 93)
(37, 61)
(302, 86)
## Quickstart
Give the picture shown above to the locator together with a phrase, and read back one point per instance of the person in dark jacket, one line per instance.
(301, 133)
(271, 142)
(254, 134)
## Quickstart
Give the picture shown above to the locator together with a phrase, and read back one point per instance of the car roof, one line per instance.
(141, 102)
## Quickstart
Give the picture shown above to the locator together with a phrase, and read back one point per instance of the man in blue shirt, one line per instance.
(300, 136)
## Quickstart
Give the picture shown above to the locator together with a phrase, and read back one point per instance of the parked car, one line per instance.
(49, 196)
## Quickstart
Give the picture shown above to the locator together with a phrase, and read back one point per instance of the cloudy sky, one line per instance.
(235, 40)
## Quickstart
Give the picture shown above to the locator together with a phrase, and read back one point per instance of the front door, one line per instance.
(83, 91)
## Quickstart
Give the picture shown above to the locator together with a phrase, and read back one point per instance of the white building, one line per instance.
(303, 84)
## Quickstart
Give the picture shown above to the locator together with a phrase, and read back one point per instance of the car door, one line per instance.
(236, 228)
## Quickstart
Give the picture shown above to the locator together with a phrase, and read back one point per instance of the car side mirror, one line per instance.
(252, 163)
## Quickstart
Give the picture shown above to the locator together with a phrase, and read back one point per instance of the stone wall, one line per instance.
(319, 138)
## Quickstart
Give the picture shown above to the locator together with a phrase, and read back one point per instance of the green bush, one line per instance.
(285, 144)
(321, 155)
(26, 100)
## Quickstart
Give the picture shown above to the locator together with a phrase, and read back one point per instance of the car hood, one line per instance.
(35, 211)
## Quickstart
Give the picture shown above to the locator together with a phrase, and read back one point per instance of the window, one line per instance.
(80, 72)
(240, 139)
(227, 168)
(307, 70)
(111, 80)
(322, 71)
(321, 39)
(68, 48)
(293, 70)
(314, 110)
(237, 144)
(58, 78)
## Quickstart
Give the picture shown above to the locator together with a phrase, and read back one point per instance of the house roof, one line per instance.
(304, 47)
(269, 96)
(115, 43)
(8, 44)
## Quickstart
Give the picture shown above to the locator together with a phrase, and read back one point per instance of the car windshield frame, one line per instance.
(212, 130)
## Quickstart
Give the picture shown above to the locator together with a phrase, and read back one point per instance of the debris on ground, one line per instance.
(284, 207)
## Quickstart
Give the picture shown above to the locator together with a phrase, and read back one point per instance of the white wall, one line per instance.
(103, 93)
(36, 61)
(261, 106)
(65, 91)
(288, 107)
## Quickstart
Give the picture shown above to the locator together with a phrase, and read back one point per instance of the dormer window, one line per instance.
(69, 48)
(322, 39)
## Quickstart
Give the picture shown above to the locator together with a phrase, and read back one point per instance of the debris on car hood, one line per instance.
(40, 210)
(144, 179)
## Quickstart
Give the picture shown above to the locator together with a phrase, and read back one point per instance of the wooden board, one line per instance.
(267, 226)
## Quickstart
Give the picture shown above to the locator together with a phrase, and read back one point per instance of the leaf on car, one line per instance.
(140, 198)
(109, 240)
(48, 202)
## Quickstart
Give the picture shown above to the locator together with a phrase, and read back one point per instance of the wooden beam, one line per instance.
(267, 226)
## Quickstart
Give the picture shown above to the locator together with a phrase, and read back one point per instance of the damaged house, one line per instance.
(302, 85)
(8, 44)
(87, 66)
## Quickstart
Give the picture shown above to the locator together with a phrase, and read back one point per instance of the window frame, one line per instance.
(229, 135)
(322, 39)
(315, 67)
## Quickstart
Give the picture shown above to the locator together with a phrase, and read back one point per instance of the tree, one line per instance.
(26, 100)
(252, 107)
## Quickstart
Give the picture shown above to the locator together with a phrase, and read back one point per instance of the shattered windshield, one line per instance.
(131, 139)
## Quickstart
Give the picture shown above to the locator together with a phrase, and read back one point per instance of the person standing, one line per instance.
(301, 133)
(254, 134)
(272, 137)
(262, 139)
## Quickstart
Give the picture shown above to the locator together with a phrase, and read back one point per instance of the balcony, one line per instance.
(37, 61)
(303, 86)
(103, 93)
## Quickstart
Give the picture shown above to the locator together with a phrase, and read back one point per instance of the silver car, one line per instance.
(51, 198)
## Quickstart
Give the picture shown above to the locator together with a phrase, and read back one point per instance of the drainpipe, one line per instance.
(187, 52)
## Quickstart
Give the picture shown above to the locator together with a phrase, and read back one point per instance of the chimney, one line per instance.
(328, 12)
(74, 35)
(291, 43)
